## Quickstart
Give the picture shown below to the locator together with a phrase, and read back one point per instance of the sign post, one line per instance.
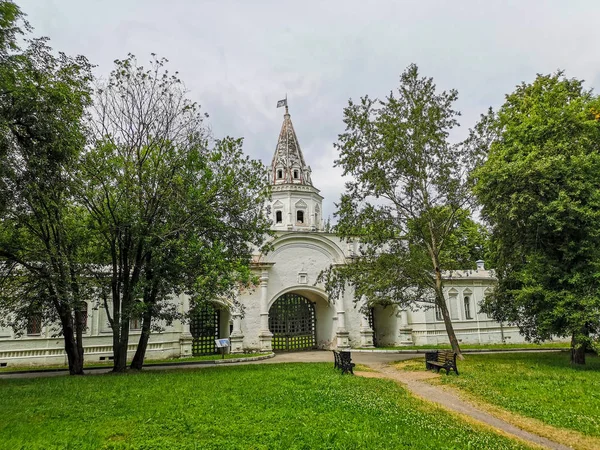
(222, 344)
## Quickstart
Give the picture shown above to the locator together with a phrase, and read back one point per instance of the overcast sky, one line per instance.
(239, 57)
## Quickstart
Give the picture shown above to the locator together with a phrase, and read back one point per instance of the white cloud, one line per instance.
(239, 57)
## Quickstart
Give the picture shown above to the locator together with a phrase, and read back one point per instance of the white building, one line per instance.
(287, 311)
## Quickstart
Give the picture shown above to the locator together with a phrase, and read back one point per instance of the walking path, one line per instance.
(413, 381)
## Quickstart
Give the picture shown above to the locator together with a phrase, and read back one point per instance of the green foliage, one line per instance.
(43, 241)
(12, 24)
(539, 385)
(174, 210)
(275, 406)
(540, 196)
(407, 199)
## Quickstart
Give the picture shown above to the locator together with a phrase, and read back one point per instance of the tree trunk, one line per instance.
(140, 353)
(441, 303)
(74, 356)
(80, 324)
(120, 347)
(577, 351)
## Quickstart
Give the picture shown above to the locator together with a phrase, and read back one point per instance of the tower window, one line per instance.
(300, 216)
(279, 174)
(296, 174)
(278, 217)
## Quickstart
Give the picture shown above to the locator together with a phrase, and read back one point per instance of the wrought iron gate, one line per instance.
(371, 318)
(292, 322)
(204, 326)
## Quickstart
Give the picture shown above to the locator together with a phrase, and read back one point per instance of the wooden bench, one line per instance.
(343, 360)
(441, 360)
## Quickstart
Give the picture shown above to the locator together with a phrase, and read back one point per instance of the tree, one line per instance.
(540, 196)
(175, 212)
(42, 237)
(406, 203)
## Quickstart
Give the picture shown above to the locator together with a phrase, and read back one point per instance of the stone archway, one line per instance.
(292, 320)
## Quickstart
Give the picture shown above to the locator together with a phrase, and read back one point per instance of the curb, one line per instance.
(212, 362)
(467, 350)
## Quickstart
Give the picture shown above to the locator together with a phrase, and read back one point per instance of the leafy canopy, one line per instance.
(540, 194)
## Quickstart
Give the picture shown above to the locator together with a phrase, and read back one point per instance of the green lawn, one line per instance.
(271, 406)
(544, 345)
(543, 386)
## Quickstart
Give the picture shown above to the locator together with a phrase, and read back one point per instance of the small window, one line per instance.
(295, 174)
(279, 174)
(468, 314)
(135, 323)
(300, 216)
(278, 217)
(34, 324)
(438, 313)
(84, 316)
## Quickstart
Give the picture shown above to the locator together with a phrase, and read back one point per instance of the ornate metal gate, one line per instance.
(204, 326)
(371, 318)
(292, 322)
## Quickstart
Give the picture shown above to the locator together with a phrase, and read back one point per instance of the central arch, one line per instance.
(292, 321)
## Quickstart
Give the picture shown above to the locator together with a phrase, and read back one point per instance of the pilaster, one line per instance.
(265, 336)
(236, 338)
(405, 331)
(342, 335)
(186, 338)
(366, 333)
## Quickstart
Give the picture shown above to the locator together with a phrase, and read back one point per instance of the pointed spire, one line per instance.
(288, 166)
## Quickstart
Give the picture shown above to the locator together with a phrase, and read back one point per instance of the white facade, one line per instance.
(288, 274)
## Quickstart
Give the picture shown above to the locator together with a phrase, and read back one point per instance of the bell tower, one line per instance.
(296, 203)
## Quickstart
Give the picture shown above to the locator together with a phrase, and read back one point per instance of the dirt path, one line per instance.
(414, 382)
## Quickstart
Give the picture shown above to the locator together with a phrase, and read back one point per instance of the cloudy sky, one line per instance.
(238, 57)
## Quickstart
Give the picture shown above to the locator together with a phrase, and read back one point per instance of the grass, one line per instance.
(541, 386)
(542, 346)
(272, 406)
(148, 362)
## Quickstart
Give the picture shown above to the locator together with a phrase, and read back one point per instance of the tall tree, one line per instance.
(42, 237)
(407, 198)
(540, 194)
(176, 211)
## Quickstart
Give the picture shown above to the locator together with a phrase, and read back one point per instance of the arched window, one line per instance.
(295, 174)
(468, 314)
(279, 174)
(278, 217)
(300, 216)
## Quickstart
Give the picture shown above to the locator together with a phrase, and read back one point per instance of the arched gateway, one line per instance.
(292, 322)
